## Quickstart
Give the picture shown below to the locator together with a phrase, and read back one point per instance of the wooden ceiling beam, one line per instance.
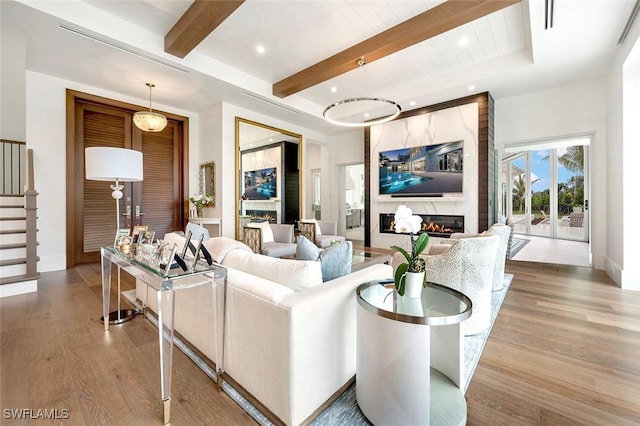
(202, 17)
(437, 20)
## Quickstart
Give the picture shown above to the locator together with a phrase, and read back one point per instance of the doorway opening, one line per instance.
(545, 195)
(353, 206)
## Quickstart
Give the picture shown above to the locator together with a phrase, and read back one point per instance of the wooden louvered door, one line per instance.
(155, 202)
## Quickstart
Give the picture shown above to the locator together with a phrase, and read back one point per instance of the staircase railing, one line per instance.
(12, 158)
(31, 212)
(17, 180)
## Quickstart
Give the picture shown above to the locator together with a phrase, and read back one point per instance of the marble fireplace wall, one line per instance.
(445, 125)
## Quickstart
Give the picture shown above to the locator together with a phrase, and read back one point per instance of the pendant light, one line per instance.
(355, 111)
(149, 121)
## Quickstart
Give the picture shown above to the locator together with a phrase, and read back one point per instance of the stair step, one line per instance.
(18, 279)
(13, 218)
(12, 206)
(12, 231)
(12, 246)
(20, 261)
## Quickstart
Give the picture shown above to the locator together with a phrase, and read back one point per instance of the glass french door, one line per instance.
(545, 188)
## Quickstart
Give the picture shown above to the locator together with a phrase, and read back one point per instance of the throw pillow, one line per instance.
(336, 260)
(266, 232)
(306, 250)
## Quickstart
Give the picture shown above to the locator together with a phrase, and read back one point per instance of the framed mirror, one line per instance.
(269, 174)
(208, 180)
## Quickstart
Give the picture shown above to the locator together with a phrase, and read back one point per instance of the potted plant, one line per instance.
(201, 200)
(410, 277)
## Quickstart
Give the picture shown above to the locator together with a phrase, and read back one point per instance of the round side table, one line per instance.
(410, 355)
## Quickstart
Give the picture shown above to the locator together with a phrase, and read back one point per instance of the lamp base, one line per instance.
(118, 317)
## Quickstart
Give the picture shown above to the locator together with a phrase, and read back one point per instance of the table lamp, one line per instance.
(114, 165)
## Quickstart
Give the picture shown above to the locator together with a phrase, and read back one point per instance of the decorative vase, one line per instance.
(199, 212)
(413, 284)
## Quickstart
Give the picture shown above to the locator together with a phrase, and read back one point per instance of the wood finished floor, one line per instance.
(564, 350)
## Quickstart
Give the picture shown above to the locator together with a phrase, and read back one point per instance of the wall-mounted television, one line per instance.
(261, 184)
(421, 171)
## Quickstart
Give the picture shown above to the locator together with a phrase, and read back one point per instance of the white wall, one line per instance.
(46, 135)
(574, 109)
(12, 101)
(624, 133)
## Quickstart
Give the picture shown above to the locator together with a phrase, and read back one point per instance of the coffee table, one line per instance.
(363, 258)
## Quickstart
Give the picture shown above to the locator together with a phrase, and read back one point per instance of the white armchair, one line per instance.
(321, 232)
(467, 266)
(270, 239)
(504, 232)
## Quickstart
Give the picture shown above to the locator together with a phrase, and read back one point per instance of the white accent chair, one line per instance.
(270, 239)
(321, 232)
(467, 266)
(504, 232)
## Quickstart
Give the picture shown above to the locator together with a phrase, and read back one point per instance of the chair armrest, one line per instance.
(459, 235)
(253, 238)
(328, 227)
(438, 248)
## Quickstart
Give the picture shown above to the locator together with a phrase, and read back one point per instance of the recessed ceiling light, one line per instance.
(260, 49)
(463, 41)
(334, 89)
(366, 114)
(471, 87)
(412, 103)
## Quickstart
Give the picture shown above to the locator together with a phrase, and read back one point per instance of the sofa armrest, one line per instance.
(306, 343)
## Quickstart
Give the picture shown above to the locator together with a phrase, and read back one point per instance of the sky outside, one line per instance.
(540, 169)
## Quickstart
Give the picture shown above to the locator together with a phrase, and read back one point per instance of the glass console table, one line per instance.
(166, 284)
(410, 356)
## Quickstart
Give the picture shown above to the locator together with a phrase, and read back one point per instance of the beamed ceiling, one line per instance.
(423, 51)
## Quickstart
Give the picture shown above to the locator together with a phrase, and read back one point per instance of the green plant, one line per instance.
(405, 222)
(201, 200)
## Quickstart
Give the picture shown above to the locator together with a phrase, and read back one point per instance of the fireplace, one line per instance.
(269, 215)
(436, 225)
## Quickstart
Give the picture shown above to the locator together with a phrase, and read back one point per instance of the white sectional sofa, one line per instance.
(290, 339)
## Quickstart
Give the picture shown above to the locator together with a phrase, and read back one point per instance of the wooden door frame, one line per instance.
(72, 158)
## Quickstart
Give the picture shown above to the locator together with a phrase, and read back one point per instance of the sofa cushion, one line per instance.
(295, 274)
(267, 233)
(306, 250)
(279, 249)
(336, 260)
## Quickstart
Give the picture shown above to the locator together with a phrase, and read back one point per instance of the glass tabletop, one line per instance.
(439, 305)
(173, 271)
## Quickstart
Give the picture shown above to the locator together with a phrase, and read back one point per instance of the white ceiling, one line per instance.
(508, 52)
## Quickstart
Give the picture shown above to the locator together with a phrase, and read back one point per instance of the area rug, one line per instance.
(516, 245)
(345, 409)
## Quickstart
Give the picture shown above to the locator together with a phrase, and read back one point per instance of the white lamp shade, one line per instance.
(110, 164)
